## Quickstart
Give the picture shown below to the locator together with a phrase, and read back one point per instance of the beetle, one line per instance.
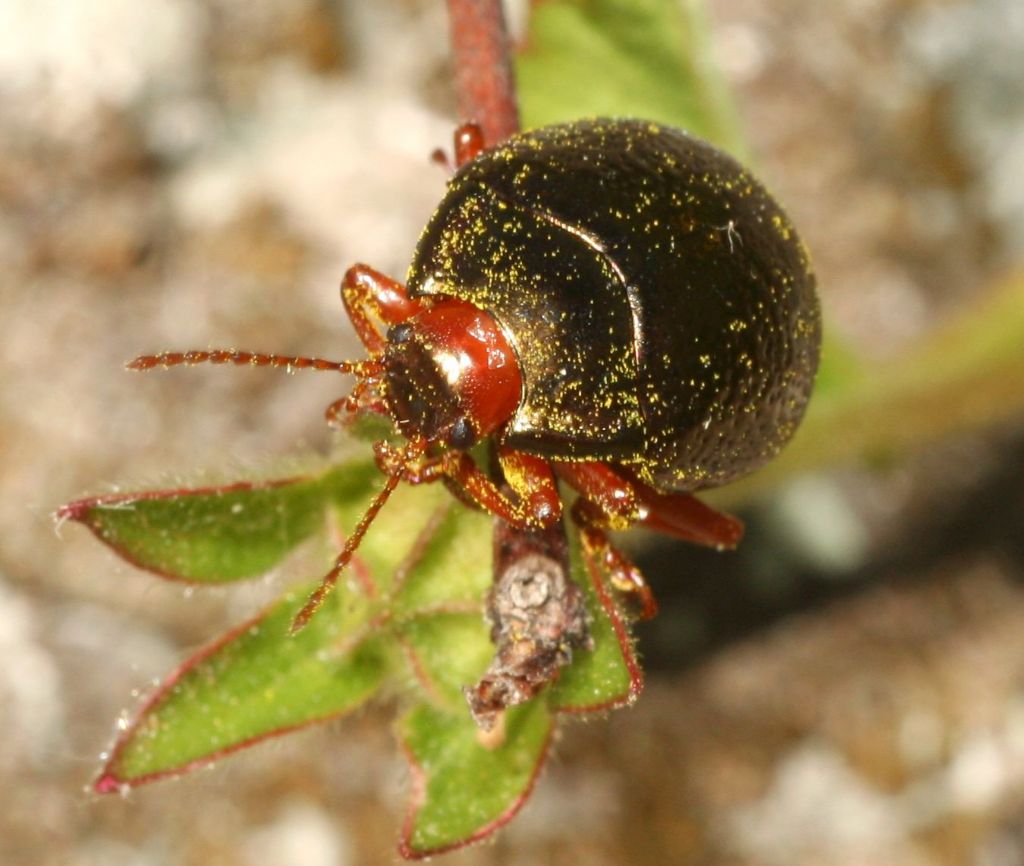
(615, 304)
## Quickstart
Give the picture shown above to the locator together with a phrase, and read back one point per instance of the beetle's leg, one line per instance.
(469, 143)
(439, 157)
(627, 501)
(534, 501)
(624, 575)
(366, 294)
(686, 517)
(615, 498)
(425, 470)
(610, 500)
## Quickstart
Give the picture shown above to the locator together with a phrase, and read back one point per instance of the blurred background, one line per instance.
(846, 689)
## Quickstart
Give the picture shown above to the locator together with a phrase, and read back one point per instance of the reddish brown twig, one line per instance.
(484, 78)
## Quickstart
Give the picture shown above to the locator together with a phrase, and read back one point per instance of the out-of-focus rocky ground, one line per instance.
(847, 690)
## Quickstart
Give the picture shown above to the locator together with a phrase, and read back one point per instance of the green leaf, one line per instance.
(463, 791)
(624, 58)
(609, 676)
(259, 680)
(253, 682)
(446, 652)
(455, 567)
(221, 534)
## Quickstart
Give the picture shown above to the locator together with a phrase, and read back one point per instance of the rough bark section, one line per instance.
(537, 617)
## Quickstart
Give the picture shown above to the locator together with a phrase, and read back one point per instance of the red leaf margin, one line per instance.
(108, 781)
(626, 645)
(78, 511)
(417, 797)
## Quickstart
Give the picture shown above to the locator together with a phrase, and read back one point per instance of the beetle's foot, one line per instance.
(622, 572)
(468, 143)
(529, 500)
(363, 399)
(343, 412)
(438, 156)
(425, 470)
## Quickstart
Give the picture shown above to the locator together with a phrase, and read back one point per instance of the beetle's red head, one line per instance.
(450, 376)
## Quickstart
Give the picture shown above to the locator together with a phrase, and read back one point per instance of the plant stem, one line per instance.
(484, 78)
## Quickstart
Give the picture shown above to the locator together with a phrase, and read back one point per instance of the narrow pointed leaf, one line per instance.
(463, 791)
(609, 676)
(220, 534)
(252, 683)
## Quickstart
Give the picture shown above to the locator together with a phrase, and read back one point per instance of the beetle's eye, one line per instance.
(400, 333)
(461, 435)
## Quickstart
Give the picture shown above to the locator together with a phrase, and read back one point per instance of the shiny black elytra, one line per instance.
(615, 304)
(659, 303)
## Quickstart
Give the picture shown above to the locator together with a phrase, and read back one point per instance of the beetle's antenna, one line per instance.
(410, 453)
(361, 369)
